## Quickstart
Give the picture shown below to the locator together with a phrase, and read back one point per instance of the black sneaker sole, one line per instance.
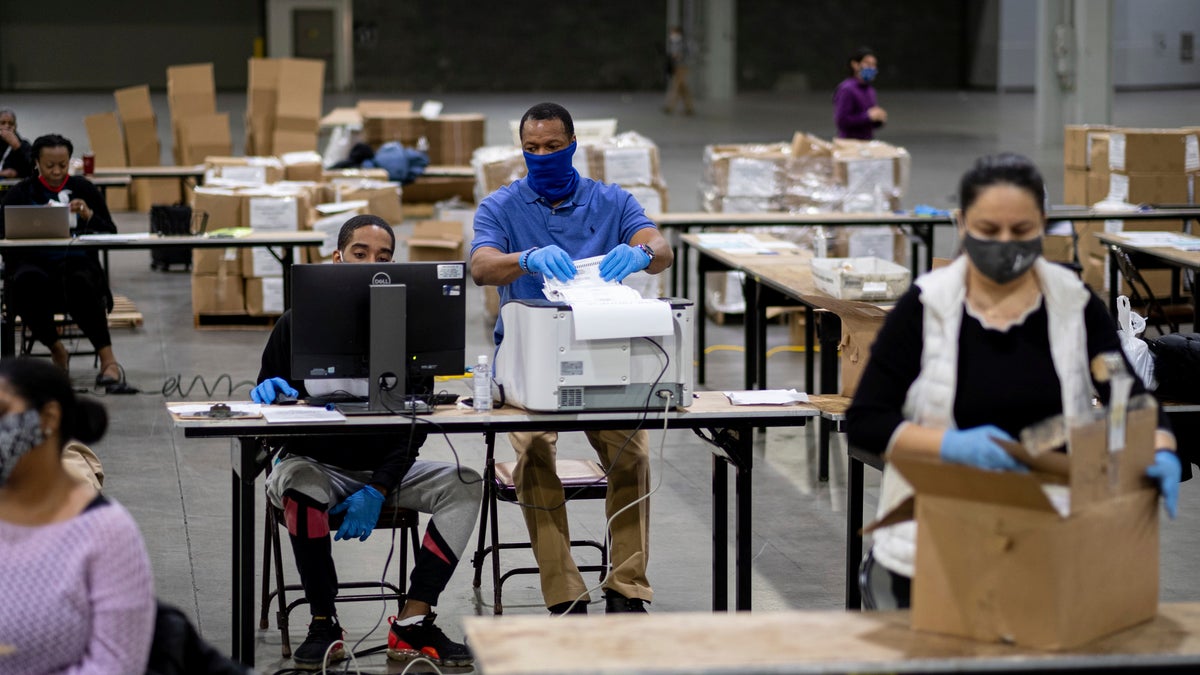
(334, 657)
(403, 655)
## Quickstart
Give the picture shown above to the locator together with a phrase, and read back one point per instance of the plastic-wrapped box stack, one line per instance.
(1138, 166)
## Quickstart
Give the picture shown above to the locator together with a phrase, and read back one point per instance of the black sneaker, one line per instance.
(615, 603)
(322, 632)
(426, 639)
(576, 607)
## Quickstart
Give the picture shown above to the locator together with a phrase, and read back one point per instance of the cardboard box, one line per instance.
(1151, 151)
(223, 206)
(146, 192)
(496, 167)
(436, 240)
(1138, 188)
(627, 160)
(214, 261)
(248, 170)
(383, 197)
(117, 199)
(1000, 560)
(141, 142)
(191, 91)
(264, 297)
(654, 199)
(1075, 187)
(1058, 248)
(259, 262)
(860, 323)
(133, 103)
(431, 189)
(274, 213)
(302, 166)
(756, 170)
(452, 138)
(1076, 146)
(105, 139)
(218, 294)
(301, 86)
(201, 136)
(349, 175)
(384, 121)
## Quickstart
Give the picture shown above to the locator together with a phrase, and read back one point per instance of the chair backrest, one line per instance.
(1140, 294)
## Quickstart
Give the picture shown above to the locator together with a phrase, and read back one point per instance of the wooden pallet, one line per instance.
(239, 321)
(125, 314)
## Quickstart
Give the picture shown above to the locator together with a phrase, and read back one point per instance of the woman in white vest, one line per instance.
(976, 351)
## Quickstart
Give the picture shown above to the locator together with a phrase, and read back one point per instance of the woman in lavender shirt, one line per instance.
(854, 108)
(76, 591)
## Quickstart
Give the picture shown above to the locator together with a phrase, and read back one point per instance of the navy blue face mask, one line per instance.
(552, 176)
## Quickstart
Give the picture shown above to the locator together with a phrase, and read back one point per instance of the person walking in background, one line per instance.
(677, 73)
(855, 111)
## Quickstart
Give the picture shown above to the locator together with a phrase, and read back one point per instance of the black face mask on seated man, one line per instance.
(1002, 261)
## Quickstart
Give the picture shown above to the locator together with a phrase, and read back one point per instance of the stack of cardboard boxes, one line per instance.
(197, 129)
(140, 127)
(631, 161)
(1135, 166)
(255, 193)
(108, 147)
(283, 105)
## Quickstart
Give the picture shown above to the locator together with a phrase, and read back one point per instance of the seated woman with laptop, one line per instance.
(45, 281)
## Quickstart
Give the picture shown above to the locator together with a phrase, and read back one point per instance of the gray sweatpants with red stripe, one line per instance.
(450, 494)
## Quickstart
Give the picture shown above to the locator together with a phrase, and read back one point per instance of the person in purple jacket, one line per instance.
(854, 108)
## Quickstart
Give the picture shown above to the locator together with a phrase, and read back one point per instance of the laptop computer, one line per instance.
(37, 222)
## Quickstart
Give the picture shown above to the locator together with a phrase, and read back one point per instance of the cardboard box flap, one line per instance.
(381, 108)
(440, 230)
(133, 103)
(190, 79)
(936, 478)
(1092, 478)
(104, 135)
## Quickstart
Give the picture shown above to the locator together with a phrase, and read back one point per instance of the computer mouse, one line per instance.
(284, 399)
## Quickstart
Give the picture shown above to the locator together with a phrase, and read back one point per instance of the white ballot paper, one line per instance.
(767, 397)
(606, 309)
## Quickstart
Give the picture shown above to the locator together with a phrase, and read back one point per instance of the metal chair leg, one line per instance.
(268, 525)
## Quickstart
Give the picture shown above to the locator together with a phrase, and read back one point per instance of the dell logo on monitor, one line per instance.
(381, 279)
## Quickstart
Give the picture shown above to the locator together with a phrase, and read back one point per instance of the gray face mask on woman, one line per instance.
(19, 433)
(1002, 261)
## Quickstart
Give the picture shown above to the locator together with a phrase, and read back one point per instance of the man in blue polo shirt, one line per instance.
(531, 229)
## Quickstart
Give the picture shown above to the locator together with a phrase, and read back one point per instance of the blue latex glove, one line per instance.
(1165, 471)
(267, 390)
(623, 261)
(362, 512)
(551, 261)
(976, 447)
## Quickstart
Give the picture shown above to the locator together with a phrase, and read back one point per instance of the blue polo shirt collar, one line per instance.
(583, 193)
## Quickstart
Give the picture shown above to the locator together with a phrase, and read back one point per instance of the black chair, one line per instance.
(390, 517)
(581, 479)
(1142, 297)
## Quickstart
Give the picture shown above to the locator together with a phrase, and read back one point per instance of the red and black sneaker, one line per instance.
(426, 639)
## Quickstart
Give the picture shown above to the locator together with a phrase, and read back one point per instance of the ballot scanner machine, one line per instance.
(550, 359)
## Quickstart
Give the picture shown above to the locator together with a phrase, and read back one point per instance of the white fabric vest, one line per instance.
(930, 400)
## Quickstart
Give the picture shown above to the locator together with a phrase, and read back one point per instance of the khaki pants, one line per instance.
(538, 485)
(678, 90)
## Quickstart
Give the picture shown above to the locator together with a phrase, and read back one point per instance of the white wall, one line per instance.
(1146, 37)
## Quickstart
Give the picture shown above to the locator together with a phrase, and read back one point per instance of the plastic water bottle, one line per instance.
(482, 379)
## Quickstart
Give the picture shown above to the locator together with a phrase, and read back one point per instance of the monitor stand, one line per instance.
(387, 355)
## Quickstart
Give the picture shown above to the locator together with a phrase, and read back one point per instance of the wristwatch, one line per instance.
(648, 251)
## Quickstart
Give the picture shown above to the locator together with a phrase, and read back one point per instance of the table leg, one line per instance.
(720, 534)
(743, 465)
(7, 328)
(750, 291)
(854, 541)
(242, 588)
(701, 321)
(1114, 285)
(831, 335)
(673, 241)
(810, 349)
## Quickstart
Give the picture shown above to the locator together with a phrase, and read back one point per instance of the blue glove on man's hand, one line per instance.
(267, 390)
(1165, 471)
(623, 261)
(362, 512)
(551, 261)
(977, 447)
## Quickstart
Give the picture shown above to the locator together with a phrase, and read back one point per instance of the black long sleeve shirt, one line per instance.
(1005, 378)
(18, 159)
(387, 456)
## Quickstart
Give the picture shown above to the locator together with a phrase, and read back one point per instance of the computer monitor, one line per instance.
(332, 320)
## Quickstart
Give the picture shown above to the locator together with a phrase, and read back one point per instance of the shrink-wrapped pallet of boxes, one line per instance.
(747, 178)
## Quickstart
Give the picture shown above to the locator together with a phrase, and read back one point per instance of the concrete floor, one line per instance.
(178, 489)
